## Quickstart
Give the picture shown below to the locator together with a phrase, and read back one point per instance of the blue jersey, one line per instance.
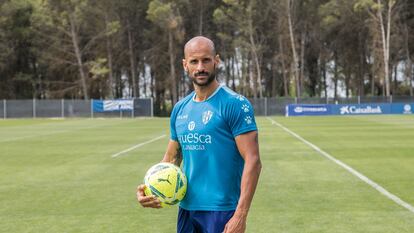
(212, 163)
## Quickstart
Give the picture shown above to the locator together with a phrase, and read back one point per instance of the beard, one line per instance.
(210, 78)
(200, 83)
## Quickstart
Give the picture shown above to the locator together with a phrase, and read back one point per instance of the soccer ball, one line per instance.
(167, 182)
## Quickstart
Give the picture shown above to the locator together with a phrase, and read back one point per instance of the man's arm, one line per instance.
(172, 155)
(248, 146)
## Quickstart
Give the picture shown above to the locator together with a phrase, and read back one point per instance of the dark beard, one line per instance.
(210, 79)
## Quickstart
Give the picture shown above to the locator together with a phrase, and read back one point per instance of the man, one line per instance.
(214, 133)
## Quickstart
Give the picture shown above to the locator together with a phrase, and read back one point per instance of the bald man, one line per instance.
(214, 133)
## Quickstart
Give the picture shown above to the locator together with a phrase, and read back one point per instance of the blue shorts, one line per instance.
(190, 221)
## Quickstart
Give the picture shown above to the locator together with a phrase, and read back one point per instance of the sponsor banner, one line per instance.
(361, 109)
(308, 109)
(348, 109)
(112, 105)
(402, 108)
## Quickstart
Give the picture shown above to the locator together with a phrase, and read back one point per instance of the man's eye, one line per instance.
(193, 62)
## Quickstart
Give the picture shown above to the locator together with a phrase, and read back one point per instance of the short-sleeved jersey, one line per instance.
(206, 132)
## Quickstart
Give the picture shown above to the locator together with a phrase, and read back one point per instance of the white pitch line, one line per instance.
(371, 183)
(137, 146)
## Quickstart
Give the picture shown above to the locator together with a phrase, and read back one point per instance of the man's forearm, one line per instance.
(250, 178)
(173, 154)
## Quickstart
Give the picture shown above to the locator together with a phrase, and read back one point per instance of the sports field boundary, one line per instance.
(137, 146)
(354, 172)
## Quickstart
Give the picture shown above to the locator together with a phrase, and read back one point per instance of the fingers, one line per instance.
(140, 190)
(152, 203)
(225, 229)
(147, 201)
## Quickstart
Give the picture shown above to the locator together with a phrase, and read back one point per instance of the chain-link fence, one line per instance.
(144, 107)
(68, 108)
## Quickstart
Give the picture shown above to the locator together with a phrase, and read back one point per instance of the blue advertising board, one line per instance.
(348, 109)
(113, 105)
(402, 108)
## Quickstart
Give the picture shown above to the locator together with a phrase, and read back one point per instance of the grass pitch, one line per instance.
(59, 175)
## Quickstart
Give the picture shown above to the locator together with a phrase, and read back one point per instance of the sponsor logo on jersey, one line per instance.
(191, 125)
(195, 138)
(196, 141)
(182, 117)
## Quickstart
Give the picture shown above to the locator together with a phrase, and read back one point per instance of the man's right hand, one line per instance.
(147, 201)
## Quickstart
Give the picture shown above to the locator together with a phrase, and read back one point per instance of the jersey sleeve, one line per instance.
(240, 116)
(173, 117)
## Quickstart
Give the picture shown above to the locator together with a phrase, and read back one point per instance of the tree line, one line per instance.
(124, 49)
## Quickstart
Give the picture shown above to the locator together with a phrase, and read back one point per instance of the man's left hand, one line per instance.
(237, 224)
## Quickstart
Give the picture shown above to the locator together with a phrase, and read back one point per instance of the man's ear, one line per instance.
(185, 66)
(217, 59)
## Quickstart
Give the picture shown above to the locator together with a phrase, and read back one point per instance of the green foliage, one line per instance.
(112, 28)
(330, 13)
(98, 68)
(363, 4)
(164, 14)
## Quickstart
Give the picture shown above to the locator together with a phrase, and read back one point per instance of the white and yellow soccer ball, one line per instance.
(167, 182)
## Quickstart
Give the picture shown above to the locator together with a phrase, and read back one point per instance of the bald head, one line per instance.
(199, 43)
(200, 61)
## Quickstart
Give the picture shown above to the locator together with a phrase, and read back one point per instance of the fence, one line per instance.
(144, 107)
(276, 105)
(68, 108)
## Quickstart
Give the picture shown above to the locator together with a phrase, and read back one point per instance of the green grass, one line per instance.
(58, 175)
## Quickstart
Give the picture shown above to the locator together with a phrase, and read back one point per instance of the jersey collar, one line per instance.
(214, 93)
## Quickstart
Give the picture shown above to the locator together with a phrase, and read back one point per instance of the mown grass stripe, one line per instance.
(362, 177)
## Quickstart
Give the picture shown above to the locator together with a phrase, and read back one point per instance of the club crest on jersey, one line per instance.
(207, 116)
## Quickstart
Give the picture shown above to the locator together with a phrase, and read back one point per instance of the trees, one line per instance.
(245, 19)
(66, 37)
(107, 49)
(345, 36)
(381, 12)
(166, 15)
(18, 71)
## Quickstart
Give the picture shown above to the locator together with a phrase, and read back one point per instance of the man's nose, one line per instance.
(200, 67)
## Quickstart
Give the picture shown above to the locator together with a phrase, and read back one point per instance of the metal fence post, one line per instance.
(91, 108)
(4, 109)
(265, 100)
(34, 108)
(390, 99)
(63, 108)
(359, 99)
(152, 107)
(133, 108)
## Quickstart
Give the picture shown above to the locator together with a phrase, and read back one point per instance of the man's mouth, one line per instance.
(201, 74)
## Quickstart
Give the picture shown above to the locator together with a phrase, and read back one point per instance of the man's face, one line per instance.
(200, 63)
